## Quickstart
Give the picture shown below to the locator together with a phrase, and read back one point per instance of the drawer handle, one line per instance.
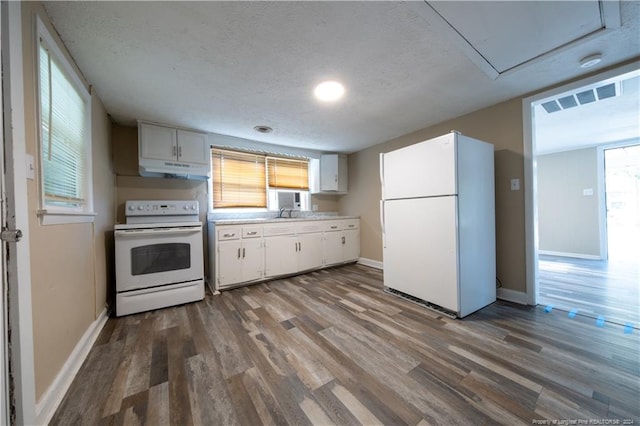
(229, 235)
(351, 226)
(252, 233)
(334, 227)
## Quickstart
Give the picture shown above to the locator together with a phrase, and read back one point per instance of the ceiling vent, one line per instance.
(581, 98)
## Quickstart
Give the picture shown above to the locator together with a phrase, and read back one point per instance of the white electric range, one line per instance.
(158, 255)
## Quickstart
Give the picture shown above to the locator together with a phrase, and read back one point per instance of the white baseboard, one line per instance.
(369, 262)
(574, 255)
(512, 296)
(51, 399)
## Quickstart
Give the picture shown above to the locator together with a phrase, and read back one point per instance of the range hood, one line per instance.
(168, 169)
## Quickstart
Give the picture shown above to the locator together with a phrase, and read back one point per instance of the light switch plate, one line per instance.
(515, 184)
(31, 168)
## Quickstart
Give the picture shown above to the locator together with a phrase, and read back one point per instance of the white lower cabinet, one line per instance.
(292, 248)
(341, 242)
(351, 245)
(239, 261)
(236, 255)
(332, 247)
(243, 254)
(309, 251)
(280, 255)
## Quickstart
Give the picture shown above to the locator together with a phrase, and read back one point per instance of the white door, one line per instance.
(422, 170)
(332, 247)
(351, 246)
(280, 255)
(420, 252)
(158, 142)
(310, 251)
(193, 147)
(4, 365)
(252, 259)
(229, 267)
(16, 268)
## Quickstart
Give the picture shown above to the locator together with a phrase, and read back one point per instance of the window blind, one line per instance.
(238, 179)
(63, 135)
(287, 173)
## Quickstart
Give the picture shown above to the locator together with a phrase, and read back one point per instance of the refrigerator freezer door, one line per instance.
(426, 169)
(420, 255)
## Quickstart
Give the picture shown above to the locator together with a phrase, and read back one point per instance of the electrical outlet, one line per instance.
(314, 208)
(515, 184)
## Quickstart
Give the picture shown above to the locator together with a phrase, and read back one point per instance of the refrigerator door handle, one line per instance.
(384, 241)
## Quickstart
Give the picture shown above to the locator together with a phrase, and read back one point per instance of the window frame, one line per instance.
(243, 159)
(48, 214)
(270, 192)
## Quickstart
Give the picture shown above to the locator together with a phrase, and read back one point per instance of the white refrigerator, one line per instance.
(438, 223)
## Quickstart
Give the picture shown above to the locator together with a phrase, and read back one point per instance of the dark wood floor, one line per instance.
(331, 347)
(593, 288)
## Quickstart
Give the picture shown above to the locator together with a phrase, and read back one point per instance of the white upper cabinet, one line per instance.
(158, 142)
(192, 147)
(329, 174)
(164, 149)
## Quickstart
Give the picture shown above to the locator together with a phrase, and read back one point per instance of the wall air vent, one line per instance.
(581, 98)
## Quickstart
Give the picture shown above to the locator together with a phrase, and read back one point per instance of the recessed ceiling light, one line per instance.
(591, 60)
(329, 91)
(263, 129)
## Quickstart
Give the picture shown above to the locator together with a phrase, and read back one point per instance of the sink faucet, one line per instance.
(281, 211)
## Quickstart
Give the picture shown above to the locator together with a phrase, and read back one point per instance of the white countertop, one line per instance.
(258, 220)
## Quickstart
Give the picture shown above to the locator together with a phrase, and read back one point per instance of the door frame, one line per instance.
(18, 273)
(530, 170)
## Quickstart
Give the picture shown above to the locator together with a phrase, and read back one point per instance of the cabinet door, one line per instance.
(310, 251)
(329, 172)
(351, 245)
(252, 259)
(229, 263)
(157, 142)
(333, 173)
(332, 247)
(280, 255)
(192, 147)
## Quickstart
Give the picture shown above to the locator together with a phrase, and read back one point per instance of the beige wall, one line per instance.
(568, 221)
(501, 125)
(69, 263)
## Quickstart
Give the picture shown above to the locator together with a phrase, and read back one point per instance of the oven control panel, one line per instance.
(161, 208)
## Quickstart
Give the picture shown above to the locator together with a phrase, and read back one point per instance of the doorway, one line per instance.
(622, 189)
(571, 131)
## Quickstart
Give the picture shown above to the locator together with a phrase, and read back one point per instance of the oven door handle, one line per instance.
(159, 231)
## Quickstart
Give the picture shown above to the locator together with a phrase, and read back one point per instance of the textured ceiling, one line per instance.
(225, 67)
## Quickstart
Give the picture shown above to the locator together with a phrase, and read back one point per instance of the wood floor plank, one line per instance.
(331, 347)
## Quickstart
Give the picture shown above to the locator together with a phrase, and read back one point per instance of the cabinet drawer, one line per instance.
(228, 234)
(351, 224)
(251, 231)
(332, 225)
(309, 227)
(279, 229)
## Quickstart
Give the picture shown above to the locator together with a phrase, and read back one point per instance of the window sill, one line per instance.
(57, 217)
